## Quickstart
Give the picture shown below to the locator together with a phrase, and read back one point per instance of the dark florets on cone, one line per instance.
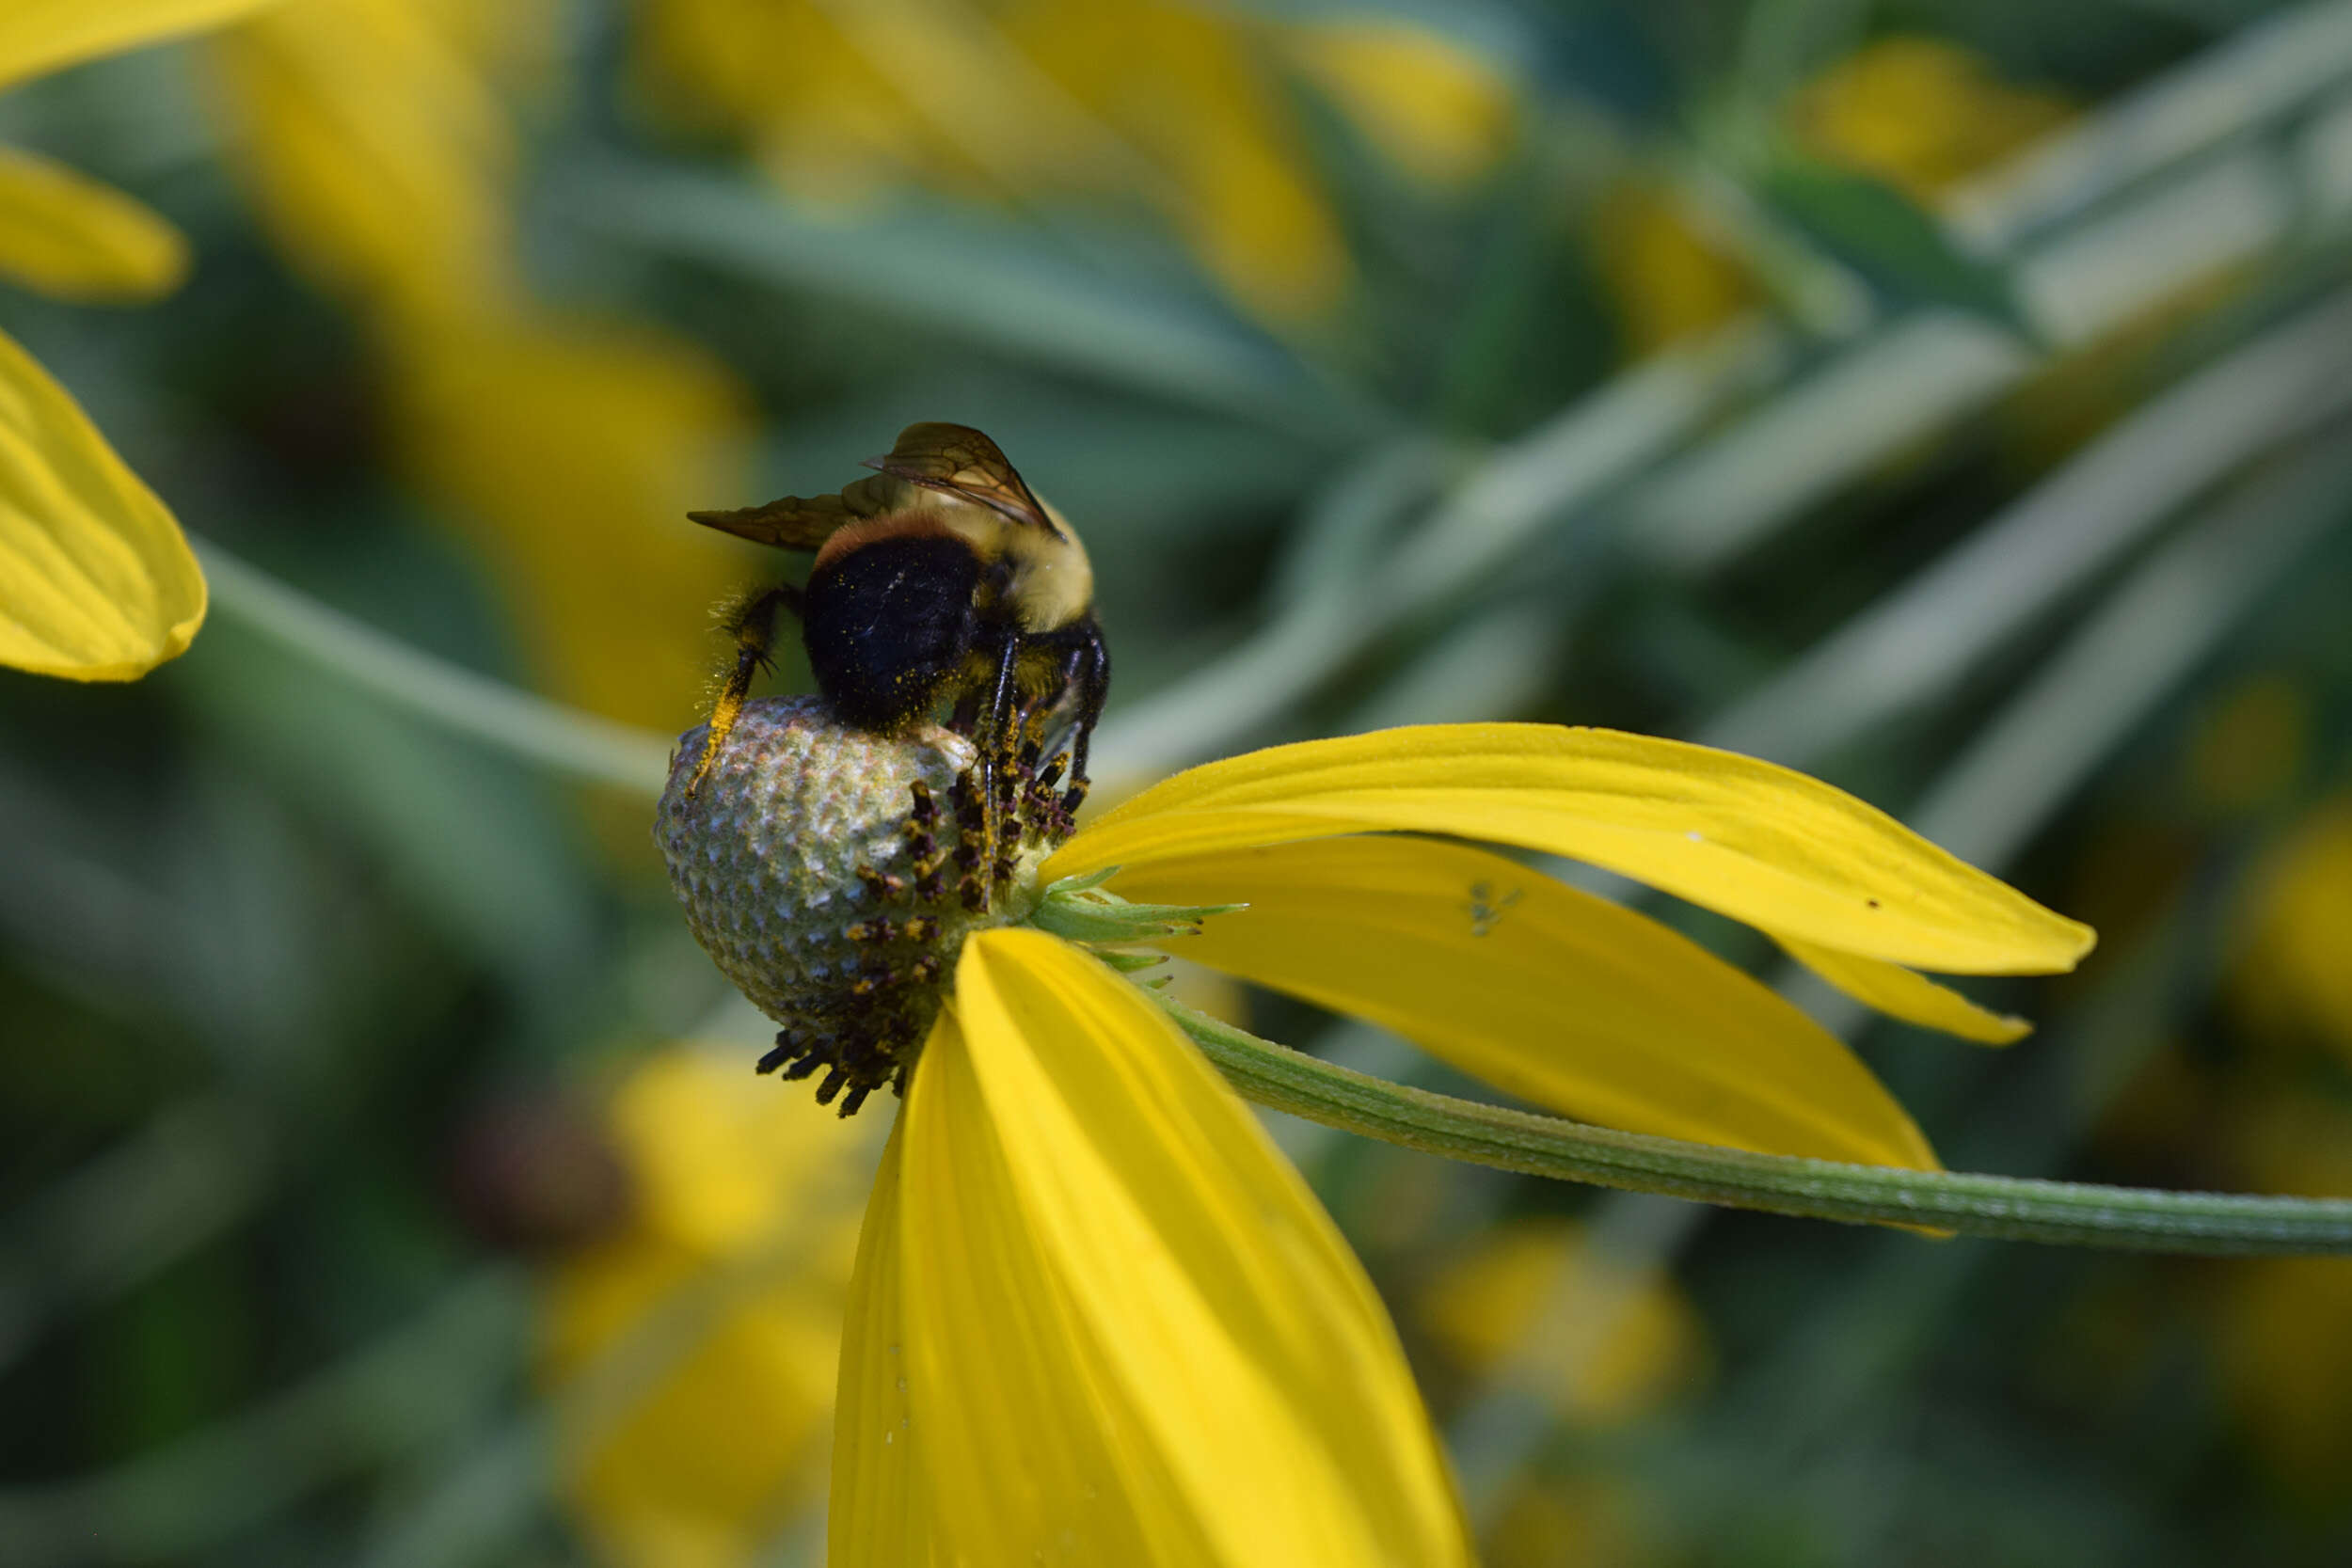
(832, 874)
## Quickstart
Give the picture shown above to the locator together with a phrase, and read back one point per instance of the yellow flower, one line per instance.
(380, 152)
(1638, 1342)
(2279, 1339)
(378, 148)
(565, 448)
(2293, 980)
(1095, 1318)
(96, 580)
(732, 1268)
(1169, 106)
(1918, 112)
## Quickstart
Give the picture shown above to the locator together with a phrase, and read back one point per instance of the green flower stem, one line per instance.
(2013, 1207)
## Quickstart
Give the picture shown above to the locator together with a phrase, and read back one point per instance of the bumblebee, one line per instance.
(942, 580)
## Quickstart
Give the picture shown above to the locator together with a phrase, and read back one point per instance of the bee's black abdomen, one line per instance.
(889, 623)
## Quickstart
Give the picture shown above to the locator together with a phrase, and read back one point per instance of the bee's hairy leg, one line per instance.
(996, 747)
(1089, 670)
(754, 622)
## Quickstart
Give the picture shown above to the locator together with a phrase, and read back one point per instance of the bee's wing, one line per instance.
(961, 461)
(805, 522)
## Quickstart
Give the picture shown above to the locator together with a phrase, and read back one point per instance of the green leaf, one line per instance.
(1900, 247)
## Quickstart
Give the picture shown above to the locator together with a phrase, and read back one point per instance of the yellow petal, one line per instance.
(1442, 112)
(36, 36)
(72, 237)
(1758, 841)
(1132, 1335)
(1566, 1000)
(877, 1517)
(378, 151)
(96, 582)
(1904, 993)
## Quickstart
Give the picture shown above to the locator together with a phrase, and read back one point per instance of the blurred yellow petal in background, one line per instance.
(719, 1303)
(2285, 1359)
(568, 450)
(96, 582)
(2294, 976)
(1632, 1341)
(1667, 279)
(71, 237)
(1439, 111)
(572, 452)
(377, 148)
(38, 35)
(1919, 112)
(1177, 106)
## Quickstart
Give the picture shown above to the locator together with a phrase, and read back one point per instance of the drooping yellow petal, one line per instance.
(1564, 998)
(69, 236)
(1758, 841)
(378, 151)
(1132, 1335)
(38, 35)
(1907, 994)
(96, 582)
(878, 1516)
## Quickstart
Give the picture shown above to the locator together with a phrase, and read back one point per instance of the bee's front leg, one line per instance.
(753, 623)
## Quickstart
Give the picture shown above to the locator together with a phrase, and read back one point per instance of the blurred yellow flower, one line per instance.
(380, 155)
(1668, 281)
(96, 580)
(381, 152)
(2280, 1335)
(2293, 973)
(1093, 1309)
(1440, 112)
(1634, 1344)
(1170, 106)
(1919, 112)
(572, 448)
(731, 1273)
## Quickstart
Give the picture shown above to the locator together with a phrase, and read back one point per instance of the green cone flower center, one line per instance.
(832, 873)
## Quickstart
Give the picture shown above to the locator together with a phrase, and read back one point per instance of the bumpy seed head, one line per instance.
(832, 873)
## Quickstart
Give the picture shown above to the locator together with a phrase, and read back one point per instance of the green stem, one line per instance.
(2014, 1207)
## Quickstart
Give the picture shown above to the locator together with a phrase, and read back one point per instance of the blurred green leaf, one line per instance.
(1902, 249)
